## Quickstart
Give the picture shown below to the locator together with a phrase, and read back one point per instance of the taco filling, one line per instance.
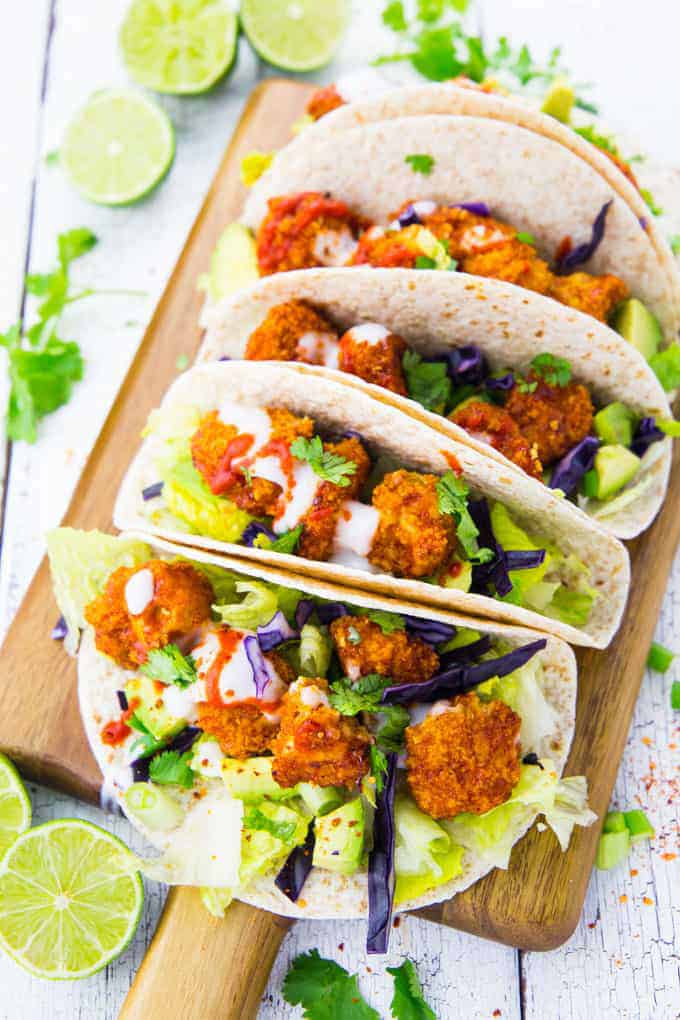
(357, 740)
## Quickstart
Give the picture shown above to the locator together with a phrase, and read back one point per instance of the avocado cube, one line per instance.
(251, 780)
(639, 327)
(559, 100)
(340, 838)
(614, 467)
(146, 695)
(320, 799)
(614, 424)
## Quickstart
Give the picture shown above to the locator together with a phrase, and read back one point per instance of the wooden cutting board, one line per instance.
(200, 966)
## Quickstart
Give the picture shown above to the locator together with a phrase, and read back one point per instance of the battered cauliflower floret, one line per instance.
(288, 426)
(363, 648)
(493, 425)
(323, 101)
(305, 230)
(376, 361)
(512, 261)
(594, 295)
(413, 539)
(180, 602)
(553, 418)
(316, 744)
(464, 758)
(466, 232)
(277, 337)
(320, 521)
(391, 248)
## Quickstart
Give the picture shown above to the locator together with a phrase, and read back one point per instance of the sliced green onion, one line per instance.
(669, 426)
(612, 849)
(590, 484)
(659, 658)
(614, 822)
(256, 609)
(526, 238)
(153, 807)
(675, 695)
(638, 825)
(315, 651)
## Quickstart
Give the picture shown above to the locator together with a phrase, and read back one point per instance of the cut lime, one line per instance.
(15, 807)
(178, 46)
(68, 901)
(296, 35)
(117, 147)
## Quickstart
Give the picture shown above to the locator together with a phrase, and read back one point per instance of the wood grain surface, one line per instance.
(537, 902)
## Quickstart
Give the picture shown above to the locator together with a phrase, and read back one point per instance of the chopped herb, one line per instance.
(52, 158)
(182, 362)
(659, 658)
(526, 238)
(256, 819)
(452, 493)
(666, 366)
(425, 262)
(525, 387)
(327, 465)
(649, 199)
(427, 382)
(420, 163)
(388, 622)
(325, 990)
(378, 761)
(675, 696)
(146, 743)
(408, 1002)
(674, 242)
(390, 736)
(393, 16)
(287, 542)
(364, 696)
(592, 135)
(170, 768)
(556, 371)
(170, 666)
(353, 635)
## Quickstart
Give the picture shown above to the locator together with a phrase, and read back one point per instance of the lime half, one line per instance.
(117, 147)
(15, 807)
(296, 35)
(68, 901)
(178, 46)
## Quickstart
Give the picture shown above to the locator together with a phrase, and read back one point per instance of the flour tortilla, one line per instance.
(526, 178)
(327, 895)
(434, 312)
(336, 407)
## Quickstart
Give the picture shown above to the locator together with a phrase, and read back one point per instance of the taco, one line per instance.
(314, 751)
(513, 375)
(264, 462)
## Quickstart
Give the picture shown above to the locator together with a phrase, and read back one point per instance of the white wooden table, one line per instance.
(623, 959)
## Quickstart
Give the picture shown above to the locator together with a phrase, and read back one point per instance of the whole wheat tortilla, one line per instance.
(327, 895)
(336, 407)
(437, 311)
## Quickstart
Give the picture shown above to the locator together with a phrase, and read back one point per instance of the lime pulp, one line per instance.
(295, 35)
(15, 807)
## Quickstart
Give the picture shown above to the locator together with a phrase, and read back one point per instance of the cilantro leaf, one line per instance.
(256, 819)
(390, 736)
(427, 382)
(655, 209)
(674, 242)
(526, 238)
(52, 158)
(425, 262)
(287, 542)
(388, 622)
(420, 163)
(408, 1002)
(556, 371)
(324, 463)
(525, 387)
(378, 762)
(73, 244)
(364, 696)
(393, 16)
(452, 493)
(435, 57)
(170, 666)
(325, 990)
(170, 768)
(595, 137)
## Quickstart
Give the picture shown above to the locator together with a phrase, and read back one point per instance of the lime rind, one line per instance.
(15, 806)
(179, 48)
(69, 901)
(295, 35)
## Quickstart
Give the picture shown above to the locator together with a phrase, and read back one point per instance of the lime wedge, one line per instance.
(117, 147)
(68, 901)
(15, 807)
(296, 35)
(181, 47)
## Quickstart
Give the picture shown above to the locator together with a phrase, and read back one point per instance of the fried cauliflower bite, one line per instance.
(180, 602)
(388, 249)
(320, 521)
(494, 425)
(512, 261)
(305, 230)
(363, 648)
(466, 232)
(553, 418)
(464, 758)
(375, 360)
(594, 295)
(288, 426)
(277, 337)
(413, 539)
(323, 101)
(316, 744)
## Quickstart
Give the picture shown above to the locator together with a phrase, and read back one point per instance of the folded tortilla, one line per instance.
(335, 407)
(437, 312)
(326, 894)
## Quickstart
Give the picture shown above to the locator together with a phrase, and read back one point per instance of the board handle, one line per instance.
(203, 966)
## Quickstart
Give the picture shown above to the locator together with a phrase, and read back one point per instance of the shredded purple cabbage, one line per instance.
(524, 559)
(381, 874)
(478, 208)
(409, 217)
(254, 529)
(297, 867)
(460, 678)
(643, 222)
(569, 471)
(582, 252)
(225, 357)
(500, 382)
(353, 434)
(303, 611)
(152, 491)
(181, 743)
(122, 700)
(431, 631)
(60, 630)
(275, 632)
(467, 365)
(466, 653)
(258, 664)
(646, 433)
(495, 572)
(329, 611)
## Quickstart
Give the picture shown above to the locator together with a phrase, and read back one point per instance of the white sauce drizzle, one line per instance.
(371, 333)
(249, 420)
(356, 528)
(312, 697)
(210, 758)
(236, 681)
(334, 247)
(299, 499)
(181, 701)
(139, 591)
(318, 348)
(480, 236)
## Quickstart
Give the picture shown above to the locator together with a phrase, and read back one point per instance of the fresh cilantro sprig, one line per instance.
(525, 387)
(556, 371)
(170, 666)
(324, 463)
(256, 819)
(408, 1002)
(388, 622)
(170, 768)
(364, 696)
(427, 382)
(325, 990)
(420, 163)
(452, 494)
(526, 238)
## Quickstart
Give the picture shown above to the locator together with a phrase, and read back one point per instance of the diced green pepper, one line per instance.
(659, 658)
(675, 695)
(612, 849)
(638, 825)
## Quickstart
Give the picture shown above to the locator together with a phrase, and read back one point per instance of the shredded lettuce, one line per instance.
(189, 499)
(523, 692)
(261, 850)
(257, 608)
(315, 651)
(512, 537)
(424, 854)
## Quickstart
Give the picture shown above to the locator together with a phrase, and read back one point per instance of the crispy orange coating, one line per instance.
(466, 232)
(464, 759)
(363, 648)
(288, 426)
(553, 418)
(181, 602)
(319, 523)
(413, 539)
(323, 101)
(388, 249)
(288, 235)
(512, 261)
(276, 338)
(316, 744)
(594, 295)
(378, 363)
(495, 426)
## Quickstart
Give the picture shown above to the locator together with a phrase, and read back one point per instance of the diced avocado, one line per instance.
(340, 838)
(320, 799)
(559, 100)
(639, 327)
(461, 579)
(614, 468)
(252, 779)
(146, 695)
(614, 424)
(233, 264)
